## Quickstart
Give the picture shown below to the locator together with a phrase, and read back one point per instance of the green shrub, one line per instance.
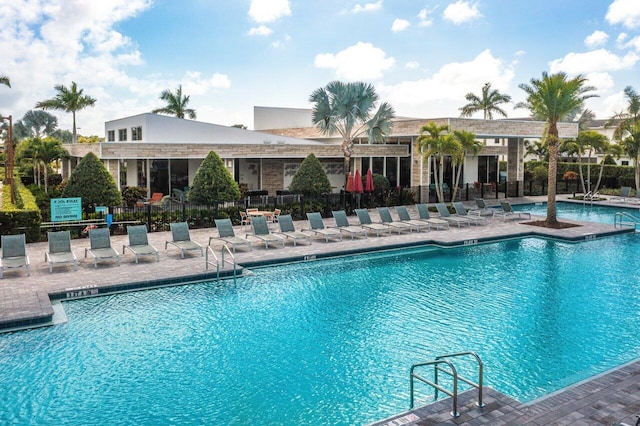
(213, 182)
(131, 194)
(22, 217)
(92, 182)
(310, 180)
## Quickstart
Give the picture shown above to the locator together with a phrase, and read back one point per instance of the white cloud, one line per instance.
(634, 43)
(260, 31)
(594, 61)
(279, 44)
(614, 104)
(424, 18)
(521, 53)
(602, 81)
(400, 25)
(443, 93)
(263, 11)
(348, 63)
(194, 84)
(367, 7)
(625, 12)
(621, 38)
(596, 39)
(461, 12)
(412, 65)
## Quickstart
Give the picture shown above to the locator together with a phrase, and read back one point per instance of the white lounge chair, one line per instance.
(404, 216)
(461, 211)
(508, 212)
(443, 211)
(423, 212)
(385, 217)
(365, 222)
(342, 223)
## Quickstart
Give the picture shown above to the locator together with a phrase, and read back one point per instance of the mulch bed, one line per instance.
(557, 225)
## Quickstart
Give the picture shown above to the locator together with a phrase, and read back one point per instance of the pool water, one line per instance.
(578, 211)
(330, 342)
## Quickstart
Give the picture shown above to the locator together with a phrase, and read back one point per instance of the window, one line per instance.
(624, 162)
(136, 133)
(111, 135)
(122, 134)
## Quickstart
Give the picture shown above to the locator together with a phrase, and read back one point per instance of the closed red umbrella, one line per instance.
(349, 187)
(357, 183)
(368, 186)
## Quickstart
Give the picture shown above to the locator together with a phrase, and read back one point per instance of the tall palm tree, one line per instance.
(349, 109)
(436, 142)
(5, 80)
(39, 123)
(553, 98)
(607, 148)
(176, 104)
(487, 102)
(468, 143)
(587, 143)
(51, 150)
(68, 100)
(627, 129)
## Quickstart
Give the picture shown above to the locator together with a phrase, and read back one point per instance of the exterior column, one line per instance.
(515, 164)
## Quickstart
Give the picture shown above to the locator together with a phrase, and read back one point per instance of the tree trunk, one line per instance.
(599, 176)
(553, 171)
(455, 184)
(584, 187)
(75, 134)
(347, 149)
(637, 172)
(441, 178)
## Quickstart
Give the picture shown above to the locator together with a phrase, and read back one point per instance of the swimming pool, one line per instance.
(580, 211)
(329, 342)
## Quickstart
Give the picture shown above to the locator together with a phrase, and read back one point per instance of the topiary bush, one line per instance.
(92, 182)
(310, 180)
(213, 182)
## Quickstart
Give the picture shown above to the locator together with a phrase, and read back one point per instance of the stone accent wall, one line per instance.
(272, 175)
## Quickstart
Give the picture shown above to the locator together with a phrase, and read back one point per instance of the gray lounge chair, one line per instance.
(342, 223)
(60, 250)
(365, 222)
(404, 216)
(139, 243)
(461, 211)
(423, 212)
(261, 231)
(508, 212)
(14, 253)
(181, 239)
(317, 226)
(100, 246)
(289, 231)
(385, 217)
(443, 211)
(625, 193)
(482, 209)
(226, 234)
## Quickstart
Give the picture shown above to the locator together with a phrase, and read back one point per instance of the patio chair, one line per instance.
(289, 231)
(343, 225)
(181, 239)
(508, 212)
(317, 226)
(261, 232)
(385, 217)
(14, 253)
(461, 211)
(443, 211)
(226, 235)
(365, 222)
(139, 243)
(404, 216)
(100, 246)
(625, 193)
(423, 212)
(60, 250)
(244, 219)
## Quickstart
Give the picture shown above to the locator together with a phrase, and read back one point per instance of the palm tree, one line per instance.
(68, 100)
(627, 129)
(176, 104)
(51, 150)
(487, 102)
(39, 123)
(587, 143)
(349, 109)
(607, 148)
(468, 143)
(437, 143)
(5, 80)
(553, 98)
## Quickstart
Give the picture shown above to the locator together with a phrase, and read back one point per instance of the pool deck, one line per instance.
(27, 301)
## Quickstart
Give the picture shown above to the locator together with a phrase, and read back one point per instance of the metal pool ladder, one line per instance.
(216, 262)
(444, 364)
(625, 219)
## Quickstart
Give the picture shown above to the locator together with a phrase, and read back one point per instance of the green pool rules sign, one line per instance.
(63, 209)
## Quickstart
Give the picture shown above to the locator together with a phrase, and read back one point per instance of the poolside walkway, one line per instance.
(27, 300)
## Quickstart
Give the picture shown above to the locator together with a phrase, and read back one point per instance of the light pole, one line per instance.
(9, 160)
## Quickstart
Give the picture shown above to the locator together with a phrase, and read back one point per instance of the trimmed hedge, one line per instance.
(624, 175)
(22, 217)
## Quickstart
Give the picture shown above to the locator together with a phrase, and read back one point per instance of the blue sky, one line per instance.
(423, 56)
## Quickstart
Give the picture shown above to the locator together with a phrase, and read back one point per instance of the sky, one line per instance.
(422, 56)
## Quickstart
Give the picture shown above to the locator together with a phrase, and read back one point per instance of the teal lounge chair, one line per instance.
(100, 246)
(443, 211)
(461, 211)
(404, 216)
(60, 250)
(365, 222)
(181, 239)
(317, 226)
(14, 253)
(342, 223)
(261, 232)
(482, 209)
(508, 212)
(139, 243)
(289, 231)
(423, 211)
(226, 235)
(625, 194)
(385, 217)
